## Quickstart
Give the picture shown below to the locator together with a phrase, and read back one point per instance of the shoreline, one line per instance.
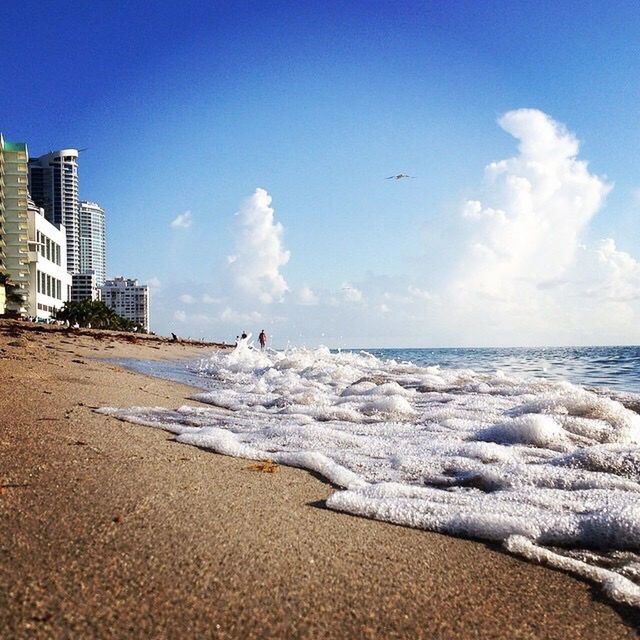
(114, 530)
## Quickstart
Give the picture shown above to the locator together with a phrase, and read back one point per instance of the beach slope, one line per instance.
(111, 530)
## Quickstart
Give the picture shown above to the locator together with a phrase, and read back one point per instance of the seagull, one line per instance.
(400, 176)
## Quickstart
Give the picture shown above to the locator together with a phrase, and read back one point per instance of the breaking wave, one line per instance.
(549, 469)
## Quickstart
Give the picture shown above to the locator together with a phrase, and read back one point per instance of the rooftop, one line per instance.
(14, 146)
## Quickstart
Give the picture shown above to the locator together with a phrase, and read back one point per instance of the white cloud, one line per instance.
(182, 221)
(612, 275)
(527, 275)
(207, 299)
(259, 250)
(230, 315)
(416, 292)
(180, 316)
(154, 283)
(350, 293)
(306, 296)
(187, 298)
(539, 204)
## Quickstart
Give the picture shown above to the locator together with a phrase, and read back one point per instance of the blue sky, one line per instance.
(193, 107)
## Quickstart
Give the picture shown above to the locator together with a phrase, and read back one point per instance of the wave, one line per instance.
(549, 469)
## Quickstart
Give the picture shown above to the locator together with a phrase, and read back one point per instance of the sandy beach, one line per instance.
(111, 530)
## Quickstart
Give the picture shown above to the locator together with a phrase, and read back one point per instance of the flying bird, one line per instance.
(400, 176)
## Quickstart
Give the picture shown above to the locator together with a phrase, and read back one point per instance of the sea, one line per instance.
(534, 449)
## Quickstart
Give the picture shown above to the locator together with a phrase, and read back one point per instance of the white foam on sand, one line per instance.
(549, 469)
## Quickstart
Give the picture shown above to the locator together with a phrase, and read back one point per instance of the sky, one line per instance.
(241, 150)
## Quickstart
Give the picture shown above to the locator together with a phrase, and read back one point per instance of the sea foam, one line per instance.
(549, 469)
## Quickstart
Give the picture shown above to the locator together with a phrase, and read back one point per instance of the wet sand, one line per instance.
(111, 530)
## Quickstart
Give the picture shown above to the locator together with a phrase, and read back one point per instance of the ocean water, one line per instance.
(538, 450)
(612, 367)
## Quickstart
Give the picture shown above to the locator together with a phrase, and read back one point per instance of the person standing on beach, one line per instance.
(262, 338)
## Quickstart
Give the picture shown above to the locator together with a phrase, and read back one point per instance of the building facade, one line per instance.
(14, 232)
(3, 271)
(84, 287)
(91, 232)
(50, 283)
(54, 187)
(128, 299)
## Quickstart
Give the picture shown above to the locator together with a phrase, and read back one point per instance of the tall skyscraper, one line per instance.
(14, 231)
(92, 241)
(54, 187)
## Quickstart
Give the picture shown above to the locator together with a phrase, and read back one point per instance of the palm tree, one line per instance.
(97, 314)
(15, 295)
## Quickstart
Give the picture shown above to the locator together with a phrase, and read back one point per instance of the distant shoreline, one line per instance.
(102, 334)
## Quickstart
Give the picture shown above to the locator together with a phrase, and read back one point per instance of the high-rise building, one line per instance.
(54, 187)
(92, 241)
(50, 283)
(128, 299)
(83, 287)
(3, 244)
(14, 232)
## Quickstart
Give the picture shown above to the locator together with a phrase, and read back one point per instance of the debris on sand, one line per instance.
(268, 466)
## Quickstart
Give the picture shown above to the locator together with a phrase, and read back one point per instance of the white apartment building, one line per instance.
(50, 283)
(84, 287)
(92, 240)
(53, 180)
(128, 299)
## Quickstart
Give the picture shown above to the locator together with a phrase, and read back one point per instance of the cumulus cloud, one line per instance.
(350, 293)
(208, 299)
(306, 296)
(260, 253)
(537, 206)
(180, 316)
(421, 294)
(230, 315)
(608, 274)
(182, 221)
(187, 298)
(528, 273)
(154, 283)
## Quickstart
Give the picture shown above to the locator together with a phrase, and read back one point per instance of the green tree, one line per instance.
(14, 294)
(97, 314)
